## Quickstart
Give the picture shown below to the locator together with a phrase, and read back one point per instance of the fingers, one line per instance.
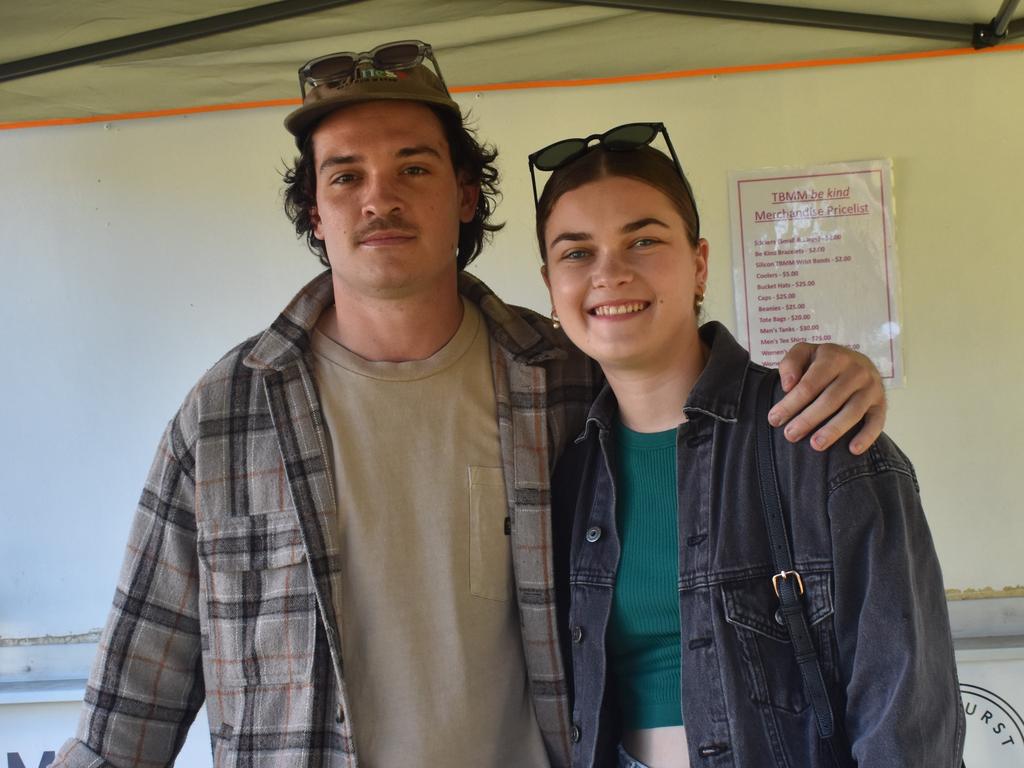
(839, 389)
(853, 412)
(874, 423)
(818, 370)
(797, 360)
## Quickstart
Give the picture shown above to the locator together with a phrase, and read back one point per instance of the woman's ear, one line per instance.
(701, 259)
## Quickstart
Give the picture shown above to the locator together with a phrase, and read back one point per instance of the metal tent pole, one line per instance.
(807, 17)
(175, 33)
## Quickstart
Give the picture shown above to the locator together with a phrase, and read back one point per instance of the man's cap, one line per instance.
(368, 84)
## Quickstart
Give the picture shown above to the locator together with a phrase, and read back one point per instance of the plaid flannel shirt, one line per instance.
(227, 590)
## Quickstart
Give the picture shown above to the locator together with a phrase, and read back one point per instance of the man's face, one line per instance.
(388, 201)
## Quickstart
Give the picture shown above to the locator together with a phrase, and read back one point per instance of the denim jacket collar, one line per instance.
(716, 392)
(288, 337)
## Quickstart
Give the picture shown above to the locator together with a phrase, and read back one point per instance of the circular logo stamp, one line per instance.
(995, 729)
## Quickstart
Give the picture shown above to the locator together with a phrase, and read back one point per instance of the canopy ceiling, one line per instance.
(477, 42)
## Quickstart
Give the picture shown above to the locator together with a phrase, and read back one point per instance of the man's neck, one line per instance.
(393, 329)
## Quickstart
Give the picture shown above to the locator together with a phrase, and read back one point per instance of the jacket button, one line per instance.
(575, 734)
(577, 634)
(340, 717)
(593, 534)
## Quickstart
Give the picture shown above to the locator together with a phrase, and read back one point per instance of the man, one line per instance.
(343, 546)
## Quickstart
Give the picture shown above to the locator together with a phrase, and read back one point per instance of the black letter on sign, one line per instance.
(14, 759)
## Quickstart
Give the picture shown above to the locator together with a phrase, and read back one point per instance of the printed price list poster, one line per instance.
(814, 259)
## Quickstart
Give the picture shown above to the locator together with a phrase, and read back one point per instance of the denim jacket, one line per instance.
(874, 595)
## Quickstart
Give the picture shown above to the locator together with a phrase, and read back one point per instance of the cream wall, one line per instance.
(135, 253)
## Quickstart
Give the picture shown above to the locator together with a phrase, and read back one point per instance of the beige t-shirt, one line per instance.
(430, 637)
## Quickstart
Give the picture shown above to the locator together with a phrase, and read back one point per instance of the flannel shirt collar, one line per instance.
(716, 393)
(288, 337)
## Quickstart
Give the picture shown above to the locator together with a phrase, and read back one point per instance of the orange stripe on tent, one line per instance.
(783, 65)
(150, 113)
(532, 84)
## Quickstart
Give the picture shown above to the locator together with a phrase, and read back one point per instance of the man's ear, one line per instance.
(469, 195)
(314, 219)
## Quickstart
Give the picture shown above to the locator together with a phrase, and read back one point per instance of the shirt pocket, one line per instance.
(768, 661)
(260, 600)
(490, 547)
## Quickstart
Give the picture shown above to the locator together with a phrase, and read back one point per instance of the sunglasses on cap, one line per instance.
(621, 138)
(337, 67)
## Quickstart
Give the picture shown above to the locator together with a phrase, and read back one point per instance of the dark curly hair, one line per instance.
(473, 160)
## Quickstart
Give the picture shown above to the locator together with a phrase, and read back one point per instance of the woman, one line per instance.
(681, 653)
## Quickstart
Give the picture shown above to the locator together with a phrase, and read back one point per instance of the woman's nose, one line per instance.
(610, 270)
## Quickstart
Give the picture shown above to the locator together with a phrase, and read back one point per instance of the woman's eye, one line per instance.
(644, 242)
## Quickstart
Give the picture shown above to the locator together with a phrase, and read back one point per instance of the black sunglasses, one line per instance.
(336, 67)
(621, 138)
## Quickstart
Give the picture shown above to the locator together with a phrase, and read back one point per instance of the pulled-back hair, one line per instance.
(473, 163)
(644, 164)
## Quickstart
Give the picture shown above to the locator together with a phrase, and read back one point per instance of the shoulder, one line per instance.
(527, 340)
(838, 464)
(884, 458)
(218, 390)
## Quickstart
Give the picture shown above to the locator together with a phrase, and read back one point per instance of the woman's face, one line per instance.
(623, 274)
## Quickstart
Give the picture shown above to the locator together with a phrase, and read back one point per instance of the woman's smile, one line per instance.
(618, 310)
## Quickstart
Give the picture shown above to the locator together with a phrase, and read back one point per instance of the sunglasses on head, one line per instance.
(621, 138)
(338, 67)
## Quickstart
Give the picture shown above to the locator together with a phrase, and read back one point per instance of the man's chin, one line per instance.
(396, 284)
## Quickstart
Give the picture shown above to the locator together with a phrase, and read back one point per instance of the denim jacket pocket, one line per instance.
(260, 602)
(768, 662)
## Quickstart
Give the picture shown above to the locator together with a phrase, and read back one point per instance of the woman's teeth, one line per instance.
(620, 309)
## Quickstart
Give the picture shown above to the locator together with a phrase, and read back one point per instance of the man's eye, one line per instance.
(415, 170)
(343, 178)
(574, 255)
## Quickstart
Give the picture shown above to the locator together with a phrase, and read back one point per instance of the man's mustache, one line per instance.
(391, 223)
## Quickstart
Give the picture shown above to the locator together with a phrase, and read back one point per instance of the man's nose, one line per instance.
(381, 196)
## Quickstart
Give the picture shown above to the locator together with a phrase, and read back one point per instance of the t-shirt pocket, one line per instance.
(490, 546)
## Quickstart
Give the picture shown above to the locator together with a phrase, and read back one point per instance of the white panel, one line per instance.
(135, 254)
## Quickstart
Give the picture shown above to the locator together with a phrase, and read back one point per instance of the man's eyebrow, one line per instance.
(419, 149)
(330, 162)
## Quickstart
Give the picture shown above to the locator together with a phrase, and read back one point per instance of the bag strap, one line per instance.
(788, 583)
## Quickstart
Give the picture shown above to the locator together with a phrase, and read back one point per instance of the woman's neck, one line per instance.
(651, 399)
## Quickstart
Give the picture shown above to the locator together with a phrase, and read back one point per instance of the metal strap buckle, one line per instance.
(783, 575)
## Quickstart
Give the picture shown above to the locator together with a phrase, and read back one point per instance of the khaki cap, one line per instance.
(414, 84)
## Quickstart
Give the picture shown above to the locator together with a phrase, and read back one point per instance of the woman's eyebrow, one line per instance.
(633, 226)
(572, 236)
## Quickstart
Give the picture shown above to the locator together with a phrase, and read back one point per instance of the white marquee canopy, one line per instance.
(477, 42)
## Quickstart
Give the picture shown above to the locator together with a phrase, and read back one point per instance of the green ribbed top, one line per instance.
(643, 629)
